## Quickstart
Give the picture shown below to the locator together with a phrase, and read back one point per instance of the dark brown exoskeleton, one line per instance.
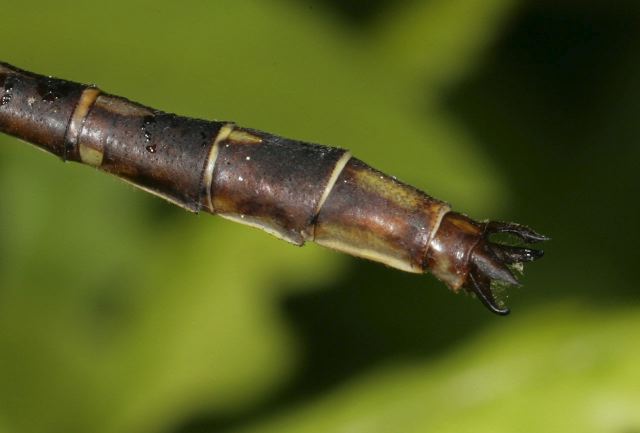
(296, 191)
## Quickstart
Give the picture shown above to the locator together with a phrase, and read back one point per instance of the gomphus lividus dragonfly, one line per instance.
(294, 190)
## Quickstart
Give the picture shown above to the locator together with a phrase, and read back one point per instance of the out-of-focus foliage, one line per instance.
(120, 313)
(576, 372)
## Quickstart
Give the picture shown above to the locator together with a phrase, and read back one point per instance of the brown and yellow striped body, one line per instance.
(296, 191)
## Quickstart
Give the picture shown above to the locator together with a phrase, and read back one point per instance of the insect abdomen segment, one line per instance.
(307, 192)
(272, 182)
(372, 215)
(160, 152)
(296, 191)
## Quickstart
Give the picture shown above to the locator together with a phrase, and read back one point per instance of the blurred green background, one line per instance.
(121, 313)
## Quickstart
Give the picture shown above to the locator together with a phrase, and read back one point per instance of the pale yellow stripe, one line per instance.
(252, 222)
(88, 155)
(366, 253)
(436, 224)
(244, 137)
(207, 177)
(342, 162)
(156, 193)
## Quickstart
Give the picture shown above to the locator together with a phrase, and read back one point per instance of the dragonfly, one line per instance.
(294, 190)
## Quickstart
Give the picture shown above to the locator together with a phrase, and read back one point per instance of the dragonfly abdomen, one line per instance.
(294, 190)
(307, 192)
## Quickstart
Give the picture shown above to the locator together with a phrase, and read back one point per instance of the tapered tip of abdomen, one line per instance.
(491, 262)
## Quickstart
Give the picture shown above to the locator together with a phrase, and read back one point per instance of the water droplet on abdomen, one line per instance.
(51, 89)
(7, 93)
(147, 121)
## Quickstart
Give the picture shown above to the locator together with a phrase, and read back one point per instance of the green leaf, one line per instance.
(566, 368)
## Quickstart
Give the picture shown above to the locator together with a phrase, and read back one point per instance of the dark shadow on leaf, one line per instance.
(375, 315)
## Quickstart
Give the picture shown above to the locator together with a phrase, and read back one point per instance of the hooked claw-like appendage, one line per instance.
(463, 255)
(490, 261)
